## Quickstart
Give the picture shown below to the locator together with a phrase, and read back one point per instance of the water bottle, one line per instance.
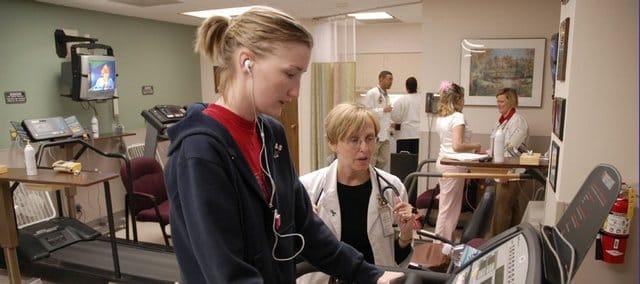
(498, 146)
(94, 127)
(30, 160)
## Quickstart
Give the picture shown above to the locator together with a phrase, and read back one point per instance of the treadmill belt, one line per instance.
(134, 261)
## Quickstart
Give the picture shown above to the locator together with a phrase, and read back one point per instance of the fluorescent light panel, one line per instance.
(371, 16)
(228, 12)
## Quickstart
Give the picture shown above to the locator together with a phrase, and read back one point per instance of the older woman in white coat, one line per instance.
(511, 199)
(358, 202)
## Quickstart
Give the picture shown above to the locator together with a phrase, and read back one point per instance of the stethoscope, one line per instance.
(381, 190)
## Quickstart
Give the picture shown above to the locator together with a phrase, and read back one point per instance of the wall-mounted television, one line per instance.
(91, 77)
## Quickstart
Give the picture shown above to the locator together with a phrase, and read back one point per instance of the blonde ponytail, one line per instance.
(211, 37)
(258, 30)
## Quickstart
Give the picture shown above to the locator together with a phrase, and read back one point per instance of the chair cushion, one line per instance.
(149, 215)
(148, 178)
(425, 199)
(152, 184)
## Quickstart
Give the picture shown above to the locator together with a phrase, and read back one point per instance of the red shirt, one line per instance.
(244, 133)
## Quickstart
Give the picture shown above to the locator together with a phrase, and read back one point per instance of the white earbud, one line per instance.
(247, 65)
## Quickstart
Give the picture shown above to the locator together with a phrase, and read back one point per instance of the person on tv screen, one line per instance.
(105, 82)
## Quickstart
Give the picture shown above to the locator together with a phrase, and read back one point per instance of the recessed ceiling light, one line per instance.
(371, 16)
(228, 12)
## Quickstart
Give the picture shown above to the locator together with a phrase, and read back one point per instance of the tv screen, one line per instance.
(103, 75)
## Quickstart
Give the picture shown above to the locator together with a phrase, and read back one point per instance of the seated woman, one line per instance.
(365, 199)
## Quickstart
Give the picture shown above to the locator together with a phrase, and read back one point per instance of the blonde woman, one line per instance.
(238, 211)
(454, 138)
(352, 197)
(512, 198)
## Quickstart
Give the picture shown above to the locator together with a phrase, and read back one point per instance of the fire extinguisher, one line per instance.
(612, 239)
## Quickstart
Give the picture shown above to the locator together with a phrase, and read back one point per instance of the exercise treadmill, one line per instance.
(102, 260)
(519, 254)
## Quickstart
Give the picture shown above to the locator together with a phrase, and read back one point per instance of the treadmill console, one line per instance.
(38, 240)
(46, 128)
(168, 113)
(507, 263)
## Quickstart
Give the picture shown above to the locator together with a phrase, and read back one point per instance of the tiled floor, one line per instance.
(147, 232)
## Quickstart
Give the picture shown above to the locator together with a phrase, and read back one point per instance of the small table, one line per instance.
(9, 232)
(495, 170)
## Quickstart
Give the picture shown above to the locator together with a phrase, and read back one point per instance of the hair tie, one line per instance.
(445, 85)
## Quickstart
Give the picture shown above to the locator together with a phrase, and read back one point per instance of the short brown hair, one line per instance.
(510, 96)
(258, 30)
(347, 119)
(383, 74)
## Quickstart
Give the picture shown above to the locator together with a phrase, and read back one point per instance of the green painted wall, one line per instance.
(148, 53)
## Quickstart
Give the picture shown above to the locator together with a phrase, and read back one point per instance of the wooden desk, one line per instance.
(493, 167)
(500, 171)
(9, 231)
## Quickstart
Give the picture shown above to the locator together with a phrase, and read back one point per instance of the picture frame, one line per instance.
(553, 164)
(559, 105)
(489, 65)
(563, 40)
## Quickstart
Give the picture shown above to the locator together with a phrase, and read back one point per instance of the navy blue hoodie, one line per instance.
(221, 224)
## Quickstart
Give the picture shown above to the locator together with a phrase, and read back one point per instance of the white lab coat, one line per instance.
(322, 186)
(406, 110)
(376, 101)
(516, 132)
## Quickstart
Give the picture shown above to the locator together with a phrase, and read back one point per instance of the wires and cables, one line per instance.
(264, 160)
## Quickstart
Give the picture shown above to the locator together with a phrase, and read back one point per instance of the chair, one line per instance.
(137, 150)
(428, 199)
(146, 198)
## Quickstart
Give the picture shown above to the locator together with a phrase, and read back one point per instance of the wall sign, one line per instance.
(15, 97)
(147, 90)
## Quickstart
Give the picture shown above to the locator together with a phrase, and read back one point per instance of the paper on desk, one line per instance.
(466, 156)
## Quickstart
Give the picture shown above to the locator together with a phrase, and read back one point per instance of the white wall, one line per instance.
(389, 38)
(601, 121)
(396, 47)
(447, 23)
(375, 41)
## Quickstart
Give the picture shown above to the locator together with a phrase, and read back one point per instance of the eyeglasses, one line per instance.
(355, 142)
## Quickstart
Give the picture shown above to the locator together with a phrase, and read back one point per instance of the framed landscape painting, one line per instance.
(488, 65)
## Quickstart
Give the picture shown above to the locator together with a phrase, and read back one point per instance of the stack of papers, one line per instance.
(466, 156)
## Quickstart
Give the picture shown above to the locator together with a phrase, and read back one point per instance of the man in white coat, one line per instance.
(378, 101)
(358, 202)
(406, 111)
